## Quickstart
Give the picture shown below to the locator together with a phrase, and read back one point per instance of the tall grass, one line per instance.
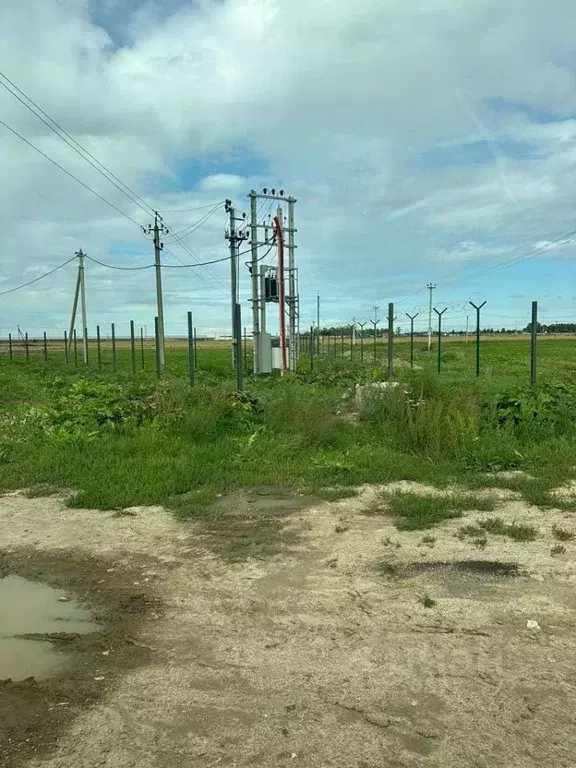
(161, 439)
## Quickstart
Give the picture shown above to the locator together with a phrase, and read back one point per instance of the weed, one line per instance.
(388, 542)
(557, 549)
(126, 441)
(335, 494)
(561, 533)
(428, 540)
(341, 528)
(387, 568)
(125, 513)
(419, 512)
(480, 542)
(427, 601)
(514, 530)
(42, 489)
(469, 530)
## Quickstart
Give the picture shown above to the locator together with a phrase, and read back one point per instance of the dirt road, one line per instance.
(293, 633)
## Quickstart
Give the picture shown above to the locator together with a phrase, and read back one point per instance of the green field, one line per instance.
(118, 440)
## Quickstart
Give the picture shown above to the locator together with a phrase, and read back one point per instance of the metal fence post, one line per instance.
(311, 347)
(440, 336)
(191, 366)
(533, 338)
(45, 348)
(195, 350)
(27, 349)
(10, 345)
(66, 347)
(352, 327)
(245, 350)
(75, 348)
(142, 345)
(113, 329)
(85, 346)
(412, 318)
(477, 308)
(98, 347)
(132, 348)
(390, 341)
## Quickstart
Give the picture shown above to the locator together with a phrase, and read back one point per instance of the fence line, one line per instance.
(347, 343)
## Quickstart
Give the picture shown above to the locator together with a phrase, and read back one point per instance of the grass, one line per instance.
(558, 549)
(515, 531)
(122, 441)
(335, 494)
(562, 534)
(427, 601)
(418, 512)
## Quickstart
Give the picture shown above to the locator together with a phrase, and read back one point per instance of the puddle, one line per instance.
(29, 608)
(477, 567)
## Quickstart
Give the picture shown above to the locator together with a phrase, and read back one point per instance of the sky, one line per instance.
(425, 142)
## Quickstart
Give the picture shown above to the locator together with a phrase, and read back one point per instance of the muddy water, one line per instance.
(29, 609)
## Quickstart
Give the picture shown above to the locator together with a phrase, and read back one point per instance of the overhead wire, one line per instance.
(86, 155)
(80, 150)
(193, 227)
(190, 210)
(68, 173)
(37, 279)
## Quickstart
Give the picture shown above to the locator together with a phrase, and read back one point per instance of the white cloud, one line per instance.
(340, 99)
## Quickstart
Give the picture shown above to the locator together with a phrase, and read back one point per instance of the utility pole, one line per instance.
(290, 295)
(235, 237)
(292, 301)
(430, 287)
(318, 312)
(254, 271)
(80, 255)
(80, 293)
(157, 230)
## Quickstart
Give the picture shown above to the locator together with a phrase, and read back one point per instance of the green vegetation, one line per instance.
(561, 533)
(119, 440)
(514, 530)
(558, 549)
(428, 602)
(418, 512)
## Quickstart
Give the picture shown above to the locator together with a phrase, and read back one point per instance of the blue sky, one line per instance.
(416, 154)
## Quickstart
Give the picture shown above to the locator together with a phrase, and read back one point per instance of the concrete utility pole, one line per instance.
(254, 270)
(157, 230)
(80, 255)
(292, 336)
(430, 287)
(80, 292)
(258, 297)
(235, 237)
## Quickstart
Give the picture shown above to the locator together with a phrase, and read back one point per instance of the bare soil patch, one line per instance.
(300, 650)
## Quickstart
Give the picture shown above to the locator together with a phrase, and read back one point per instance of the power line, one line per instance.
(191, 210)
(89, 158)
(85, 154)
(61, 167)
(115, 266)
(36, 279)
(193, 227)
